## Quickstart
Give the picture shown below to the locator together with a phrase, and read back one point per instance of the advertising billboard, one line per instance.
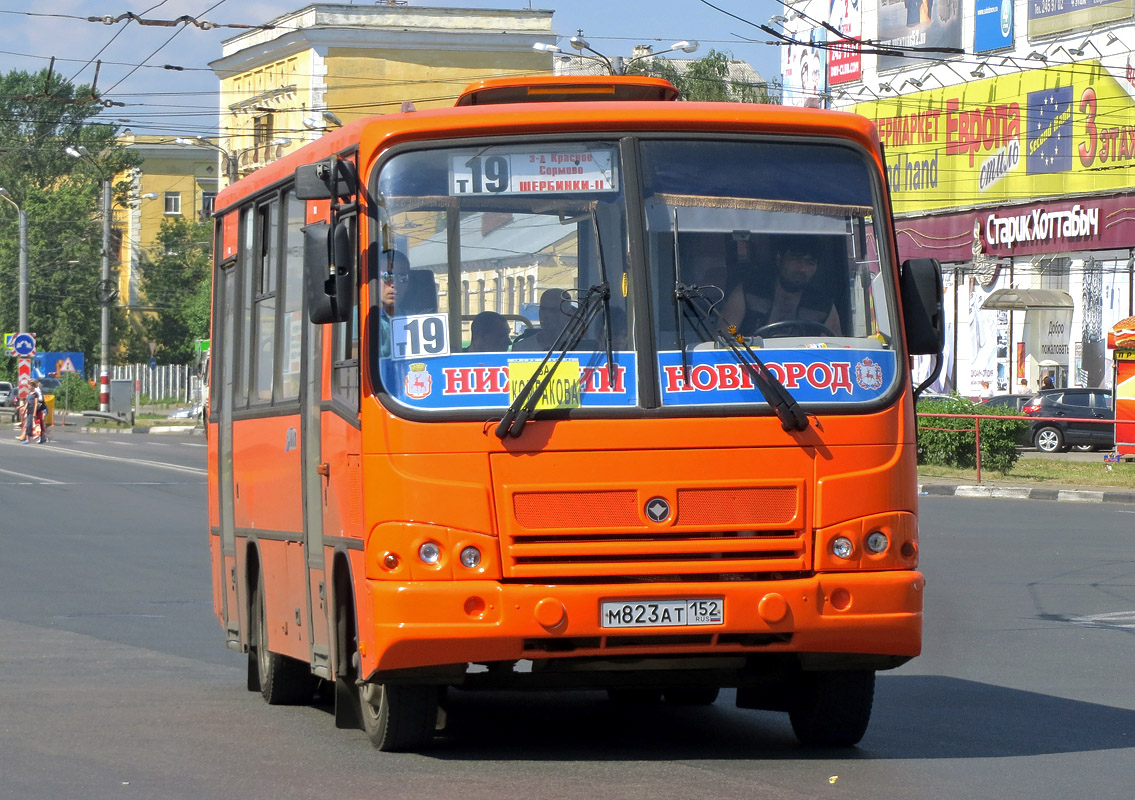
(1059, 16)
(918, 23)
(844, 59)
(992, 25)
(804, 67)
(1036, 134)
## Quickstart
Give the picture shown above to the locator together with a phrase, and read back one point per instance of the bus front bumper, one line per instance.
(851, 620)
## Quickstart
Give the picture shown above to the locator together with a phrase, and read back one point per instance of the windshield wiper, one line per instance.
(792, 417)
(520, 410)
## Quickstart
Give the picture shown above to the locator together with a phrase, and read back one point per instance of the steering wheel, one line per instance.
(793, 327)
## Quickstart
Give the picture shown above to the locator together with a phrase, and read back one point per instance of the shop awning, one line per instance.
(1025, 299)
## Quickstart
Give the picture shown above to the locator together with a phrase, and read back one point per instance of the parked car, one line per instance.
(7, 394)
(1017, 401)
(1057, 436)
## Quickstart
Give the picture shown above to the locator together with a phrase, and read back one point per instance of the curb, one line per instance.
(1025, 493)
(179, 430)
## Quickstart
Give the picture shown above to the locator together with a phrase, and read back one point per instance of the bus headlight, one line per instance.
(429, 553)
(470, 557)
(842, 547)
(877, 542)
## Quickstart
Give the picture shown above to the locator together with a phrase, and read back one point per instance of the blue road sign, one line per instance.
(23, 344)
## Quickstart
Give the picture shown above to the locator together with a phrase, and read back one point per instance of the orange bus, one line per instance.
(569, 386)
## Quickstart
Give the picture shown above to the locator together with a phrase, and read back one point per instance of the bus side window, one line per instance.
(265, 307)
(345, 349)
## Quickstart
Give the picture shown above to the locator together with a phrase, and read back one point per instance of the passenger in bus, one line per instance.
(489, 333)
(794, 300)
(396, 271)
(552, 320)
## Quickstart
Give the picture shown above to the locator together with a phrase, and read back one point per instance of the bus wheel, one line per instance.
(397, 717)
(282, 680)
(691, 695)
(832, 709)
(633, 696)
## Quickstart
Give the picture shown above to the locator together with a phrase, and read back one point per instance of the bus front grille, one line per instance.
(606, 534)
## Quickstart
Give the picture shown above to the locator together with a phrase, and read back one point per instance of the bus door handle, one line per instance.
(324, 469)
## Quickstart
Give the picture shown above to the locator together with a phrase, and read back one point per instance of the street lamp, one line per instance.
(23, 215)
(618, 64)
(232, 159)
(106, 296)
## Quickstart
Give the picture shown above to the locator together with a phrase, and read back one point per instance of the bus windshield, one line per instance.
(485, 253)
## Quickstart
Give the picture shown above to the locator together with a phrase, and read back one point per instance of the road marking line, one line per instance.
(136, 461)
(29, 478)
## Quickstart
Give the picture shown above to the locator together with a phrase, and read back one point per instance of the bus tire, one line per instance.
(398, 717)
(691, 695)
(832, 709)
(282, 680)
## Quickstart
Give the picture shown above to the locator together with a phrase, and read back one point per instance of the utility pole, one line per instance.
(104, 344)
(23, 272)
(23, 285)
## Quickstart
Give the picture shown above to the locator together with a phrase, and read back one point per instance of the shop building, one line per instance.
(1009, 131)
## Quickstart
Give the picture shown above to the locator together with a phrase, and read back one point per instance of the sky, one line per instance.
(158, 100)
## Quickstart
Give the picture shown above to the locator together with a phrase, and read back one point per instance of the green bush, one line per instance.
(955, 448)
(76, 394)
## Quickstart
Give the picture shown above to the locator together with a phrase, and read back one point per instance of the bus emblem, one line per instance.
(868, 374)
(657, 509)
(418, 382)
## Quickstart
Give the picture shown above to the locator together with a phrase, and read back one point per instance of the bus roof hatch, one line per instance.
(561, 88)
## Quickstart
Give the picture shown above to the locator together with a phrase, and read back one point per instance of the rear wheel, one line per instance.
(832, 709)
(399, 717)
(691, 695)
(281, 680)
(1049, 439)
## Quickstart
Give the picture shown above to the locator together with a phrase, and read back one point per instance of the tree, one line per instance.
(176, 281)
(40, 115)
(706, 79)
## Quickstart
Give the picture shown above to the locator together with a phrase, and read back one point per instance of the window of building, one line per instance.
(208, 203)
(173, 202)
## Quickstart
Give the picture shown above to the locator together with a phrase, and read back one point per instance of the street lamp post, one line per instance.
(616, 65)
(106, 296)
(23, 289)
(232, 159)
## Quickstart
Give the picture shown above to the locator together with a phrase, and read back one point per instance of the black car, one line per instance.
(1017, 401)
(1052, 436)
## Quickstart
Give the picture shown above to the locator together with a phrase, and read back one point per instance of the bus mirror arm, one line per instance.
(920, 285)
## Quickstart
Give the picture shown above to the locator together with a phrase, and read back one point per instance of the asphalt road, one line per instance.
(115, 682)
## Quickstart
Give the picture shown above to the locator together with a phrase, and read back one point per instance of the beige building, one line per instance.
(328, 64)
(174, 180)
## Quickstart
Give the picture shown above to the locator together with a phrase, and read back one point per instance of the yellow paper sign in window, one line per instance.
(562, 390)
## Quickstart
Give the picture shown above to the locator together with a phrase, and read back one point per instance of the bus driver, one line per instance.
(792, 297)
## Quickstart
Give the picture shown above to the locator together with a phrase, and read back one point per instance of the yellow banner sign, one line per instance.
(563, 387)
(1042, 133)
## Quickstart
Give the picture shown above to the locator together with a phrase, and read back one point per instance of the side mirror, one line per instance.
(329, 271)
(920, 285)
(333, 178)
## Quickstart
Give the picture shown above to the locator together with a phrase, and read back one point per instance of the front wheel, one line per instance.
(1049, 440)
(397, 717)
(832, 709)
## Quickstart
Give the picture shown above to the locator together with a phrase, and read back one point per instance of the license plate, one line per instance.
(662, 613)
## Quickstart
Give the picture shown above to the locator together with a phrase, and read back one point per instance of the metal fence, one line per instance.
(164, 382)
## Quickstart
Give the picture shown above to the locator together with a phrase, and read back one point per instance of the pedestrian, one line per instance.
(31, 410)
(41, 413)
(1048, 382)
(21, 419)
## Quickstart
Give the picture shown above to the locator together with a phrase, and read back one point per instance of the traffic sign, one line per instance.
(23, 344)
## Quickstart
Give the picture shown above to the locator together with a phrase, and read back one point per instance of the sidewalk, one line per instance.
(1007, 490)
